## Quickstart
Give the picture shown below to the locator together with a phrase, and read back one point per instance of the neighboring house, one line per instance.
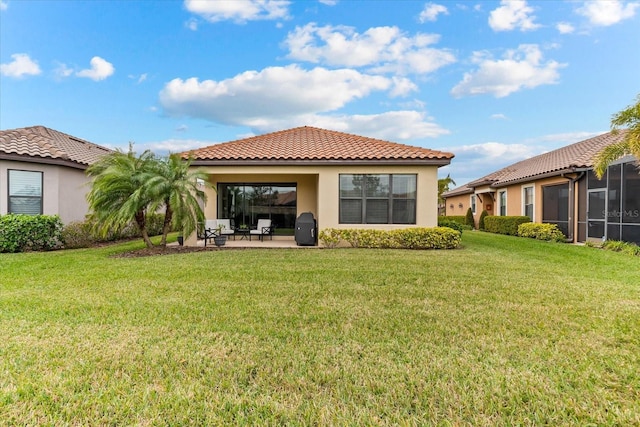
(42, 171)
(345, 180)
(559, 187)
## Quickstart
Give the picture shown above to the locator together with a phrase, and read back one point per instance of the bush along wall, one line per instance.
(82, 234)
(483, 215)
(20, 233)
(460, 219)
(407, 238)
(504, 224)
(548, 232)
(469, 219)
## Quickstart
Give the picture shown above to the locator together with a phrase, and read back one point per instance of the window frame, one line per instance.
(10, 196)
(502, 204)
(390, 198)
(473, 203)
(533, 201)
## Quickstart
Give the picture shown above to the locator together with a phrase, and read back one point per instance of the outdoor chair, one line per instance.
(227, 229)
(264, 228)
(209, 231)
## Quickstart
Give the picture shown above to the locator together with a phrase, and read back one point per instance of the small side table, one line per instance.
(242, 232)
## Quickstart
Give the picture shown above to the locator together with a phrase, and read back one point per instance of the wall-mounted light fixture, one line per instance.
(460, 205)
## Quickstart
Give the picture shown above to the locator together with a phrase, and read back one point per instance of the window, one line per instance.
(25, 192)
(377, 199)
(527, 202)
(502, 201)
(473, 204)
(555, 206)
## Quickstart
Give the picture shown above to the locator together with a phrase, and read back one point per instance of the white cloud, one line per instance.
(100, 69)
(431, 12)
(607, 12)
(385, 48)
(22, 65)
(192, 24)
(329, 2)
(4, 5)
(499, 116)
(512, 14)
(390, 125)
(284, 97)
(488, 151)
(172, 145)
(520, 68)
(62, 71)
(239, 10)
(273, 92)
(565, 28)
(557, 140)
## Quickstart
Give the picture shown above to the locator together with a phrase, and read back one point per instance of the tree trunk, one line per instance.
(166, 227)
(141, 222)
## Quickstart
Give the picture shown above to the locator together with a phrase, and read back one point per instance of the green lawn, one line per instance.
(505, 331)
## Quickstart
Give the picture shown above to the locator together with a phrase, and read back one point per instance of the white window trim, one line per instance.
(506, 195)
(533, 195)
(473, 203)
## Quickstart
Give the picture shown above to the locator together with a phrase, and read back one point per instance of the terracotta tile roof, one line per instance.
(44, 144)
(575, 156)
(314, 144)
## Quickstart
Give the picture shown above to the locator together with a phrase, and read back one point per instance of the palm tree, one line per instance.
(173, 186)
(630, 143)
(443, 187)
(118, 195)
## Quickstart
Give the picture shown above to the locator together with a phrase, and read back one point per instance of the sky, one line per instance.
(493, 82)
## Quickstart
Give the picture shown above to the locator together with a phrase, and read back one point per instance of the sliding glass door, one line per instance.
(246, 203)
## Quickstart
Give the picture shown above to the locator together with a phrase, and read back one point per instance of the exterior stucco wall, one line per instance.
(458, 205)
(63, 190)
(318, 189)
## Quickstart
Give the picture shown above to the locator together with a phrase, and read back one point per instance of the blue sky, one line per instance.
(493, 82)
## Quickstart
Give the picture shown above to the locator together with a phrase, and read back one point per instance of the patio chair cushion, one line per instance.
(226, 226)
(264, 228)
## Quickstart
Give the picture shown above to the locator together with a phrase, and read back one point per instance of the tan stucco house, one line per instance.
(560, 187)
(42, 171)
(345, 180)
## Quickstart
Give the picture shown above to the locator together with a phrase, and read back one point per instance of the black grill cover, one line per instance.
(306, 230)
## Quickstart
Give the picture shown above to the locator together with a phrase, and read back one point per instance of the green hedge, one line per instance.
(460, 219)
(548, 232)
(20, 233)
(407, 238)
(504, 224)
(452, 224)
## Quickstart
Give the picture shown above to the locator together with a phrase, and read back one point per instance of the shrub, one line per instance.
(83, 234)
(453, 224)
(624, 247)
(469, 219)
(504, 224)
(548, 232)
(408, 238)
(330, 237)
(460, 219)
(481, 220)
(78, 234)
(19, 233)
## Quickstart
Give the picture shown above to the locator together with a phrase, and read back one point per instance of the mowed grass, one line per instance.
(505, 331)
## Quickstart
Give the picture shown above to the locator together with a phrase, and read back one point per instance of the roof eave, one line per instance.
(536, 177)
(316, 162)
(43, 160)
